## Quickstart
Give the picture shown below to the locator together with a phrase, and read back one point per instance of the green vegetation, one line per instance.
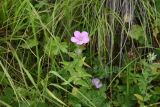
(40, 66)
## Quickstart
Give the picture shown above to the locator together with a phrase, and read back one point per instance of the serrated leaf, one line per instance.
(84, 74)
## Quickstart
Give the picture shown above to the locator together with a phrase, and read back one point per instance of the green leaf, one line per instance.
(42, 104)
(157, 3)
(72, 55)
(8, 95)
(77, 105)
(137, 33)
(63, 47)
(3, 79)
(55, 97)
(4, 103)
(139, 97)
(29, 43)
(84, 74)
(96, 96)
(82, 83)
(55, 46)
(51, 48)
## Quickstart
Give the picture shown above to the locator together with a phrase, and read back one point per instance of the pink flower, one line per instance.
(80, 37)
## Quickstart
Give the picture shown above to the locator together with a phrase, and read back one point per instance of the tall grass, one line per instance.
(32, 72)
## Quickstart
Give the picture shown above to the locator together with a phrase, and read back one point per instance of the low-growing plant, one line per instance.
(112, 61)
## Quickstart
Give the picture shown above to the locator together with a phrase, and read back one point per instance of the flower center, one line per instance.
(80, 38)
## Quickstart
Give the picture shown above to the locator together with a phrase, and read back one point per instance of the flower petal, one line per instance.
(85, 34)
(99, 85)
(73, 39)
(96, 82)
(85, 37)
(77, 34)
(79, 42)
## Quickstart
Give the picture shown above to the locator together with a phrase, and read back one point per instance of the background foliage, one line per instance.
(39, 66)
